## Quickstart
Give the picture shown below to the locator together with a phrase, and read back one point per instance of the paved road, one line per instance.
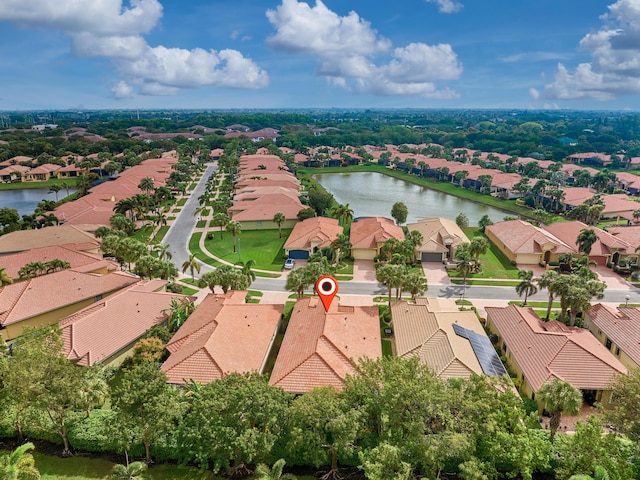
(180, 232)
(182, 228)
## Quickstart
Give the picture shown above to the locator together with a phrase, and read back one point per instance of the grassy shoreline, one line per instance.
(507, 206)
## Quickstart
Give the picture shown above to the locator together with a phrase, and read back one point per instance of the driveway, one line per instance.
(435, 273)
(364, 271)
(612, 279)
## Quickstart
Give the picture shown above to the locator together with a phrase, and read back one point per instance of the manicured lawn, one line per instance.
(83, 468)
(162, 231)
(486, 283)
(143, 233)
(387, 349)
(30, 185)
(181, 202)
(264, 247)
(189, 291)
(494, 263)
(535, 304)
(201, 224)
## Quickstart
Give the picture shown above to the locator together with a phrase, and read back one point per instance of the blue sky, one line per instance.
(570, 54)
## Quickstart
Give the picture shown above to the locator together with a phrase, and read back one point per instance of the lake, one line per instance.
(372, 194)
(26, 200)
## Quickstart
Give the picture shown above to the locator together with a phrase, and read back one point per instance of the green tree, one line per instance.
(234, 228)
(305, 213)
(484, 222)
(392, 275)
(462, 220)
(399, 212)
(263, 472)
(623, 412)
(464, 259)
(220, 219)
(551, 281)
(526, 286)
(130, 471)
(146, 185)
(344, 213)
(5, 278)
(416, 284)
(192, 264)
(559, 398)
(478, 246)
(55, 188)
(246, 268)
(586, 239)
(146, 406)
(279, 219)
(384, 462)
(341, 246)
(19, 464)
(298, 281)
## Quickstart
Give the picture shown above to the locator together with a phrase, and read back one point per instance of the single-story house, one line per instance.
(310, 235)
(44, 300)
(626, 233)
(449, 341)
(41, 173)
(22, 240)
(13, 173)
(320, 348)
(105, 332)
(629, 182)
(538, 351)
(223, 335)
(618, 329)
(526, 244)
(368, 234)
(607, 249)
(440, 237)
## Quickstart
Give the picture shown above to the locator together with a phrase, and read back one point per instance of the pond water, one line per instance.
(26, 200)
(373, 194)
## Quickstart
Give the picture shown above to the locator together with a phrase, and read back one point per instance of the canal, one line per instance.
(373, 194)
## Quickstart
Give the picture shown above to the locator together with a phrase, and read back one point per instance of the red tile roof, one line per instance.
(522, 237)
(621, 325)
(606, 244)
(320, 231)
(320, 348)
(30, 298)
(369, 232)
(547, 350)
(104, 328)
(223, 335)
(22, 240)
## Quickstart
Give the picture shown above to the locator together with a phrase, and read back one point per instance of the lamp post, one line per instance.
(626, 300)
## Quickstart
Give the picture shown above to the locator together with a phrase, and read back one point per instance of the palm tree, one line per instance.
(341, 245)
(636, 215)
(19, 465)
(465, 261)
(416, 284)
(279, 219)
(162, 251)
(586, 239)
(220, 219)
(344, 213)
(263, 472)
(246, 269)
(5, 279)
(192, 265)
(146, 185)
(559, 397)
(549, 280)
(526, 286)
(477, 247)
(55, 188)
(392, 275)
(234, 228)
(130, 471)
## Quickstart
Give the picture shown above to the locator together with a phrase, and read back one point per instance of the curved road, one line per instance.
(182, 229)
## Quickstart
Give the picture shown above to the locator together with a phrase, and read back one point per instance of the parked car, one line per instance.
(289, 264)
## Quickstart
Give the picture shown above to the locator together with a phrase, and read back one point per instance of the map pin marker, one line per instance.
(327, 287)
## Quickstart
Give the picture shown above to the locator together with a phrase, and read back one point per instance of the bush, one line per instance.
(93, 434)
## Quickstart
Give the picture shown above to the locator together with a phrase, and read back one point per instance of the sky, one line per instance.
(280, 54)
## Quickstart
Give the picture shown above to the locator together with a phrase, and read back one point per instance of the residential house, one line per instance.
(41, 173)
(320, 348)
(76, 255)
(22, 240)
(258, 214)
(310, 235)
(452, 343)
(223, 335)
(440, 237)
(526, 244)
(618, 329)
(629, 182)
(13, 173)
(44, 300)
(626, 233)
(590, 158)
(368, 234)
(537, 352)
(607, 249)
(106, 331)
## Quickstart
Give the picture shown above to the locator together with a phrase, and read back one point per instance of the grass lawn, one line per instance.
(264, 247)
(494, 263)
(143, 233)
(387, 349)
(189, 291)
(181, 202)
(83, 468)
(535, 304)
(201, 224)
(162, 231)
(486, 283)
(71, 182)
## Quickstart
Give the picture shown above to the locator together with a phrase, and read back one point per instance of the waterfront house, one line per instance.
(310, 235)
(440, 237)
(368, 234)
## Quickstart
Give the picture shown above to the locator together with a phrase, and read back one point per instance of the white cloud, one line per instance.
(109, 29)
(122, 90)
(534, 93)
(614, 68)
(533, 57)
(447, 6)
(346, 48)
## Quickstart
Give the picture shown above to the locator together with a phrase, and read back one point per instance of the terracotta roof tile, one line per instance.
(221, 336)
(547, 350)
(606, 244)
(320, 348)
(436, 232)
(319, 230)
(22, 240)
(522, 237)
(621, 326)
(368, 232)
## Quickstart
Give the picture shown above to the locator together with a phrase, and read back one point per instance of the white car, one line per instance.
(289, 264)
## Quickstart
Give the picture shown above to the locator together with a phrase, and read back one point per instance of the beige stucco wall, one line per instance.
(363, 253)
(602, 338)
(501, 246)
(528, 258)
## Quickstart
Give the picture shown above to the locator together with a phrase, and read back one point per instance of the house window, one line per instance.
(608, 344)
(533, 396)
(258, 223)
(617, 351)
(98, 298)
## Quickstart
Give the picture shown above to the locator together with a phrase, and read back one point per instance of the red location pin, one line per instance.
(327, 287)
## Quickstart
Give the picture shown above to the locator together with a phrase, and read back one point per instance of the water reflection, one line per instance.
(373, 194)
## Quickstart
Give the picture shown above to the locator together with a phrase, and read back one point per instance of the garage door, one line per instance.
(431, 257)
(299, 254)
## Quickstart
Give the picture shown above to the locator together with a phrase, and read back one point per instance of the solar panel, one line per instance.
(485, 353)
